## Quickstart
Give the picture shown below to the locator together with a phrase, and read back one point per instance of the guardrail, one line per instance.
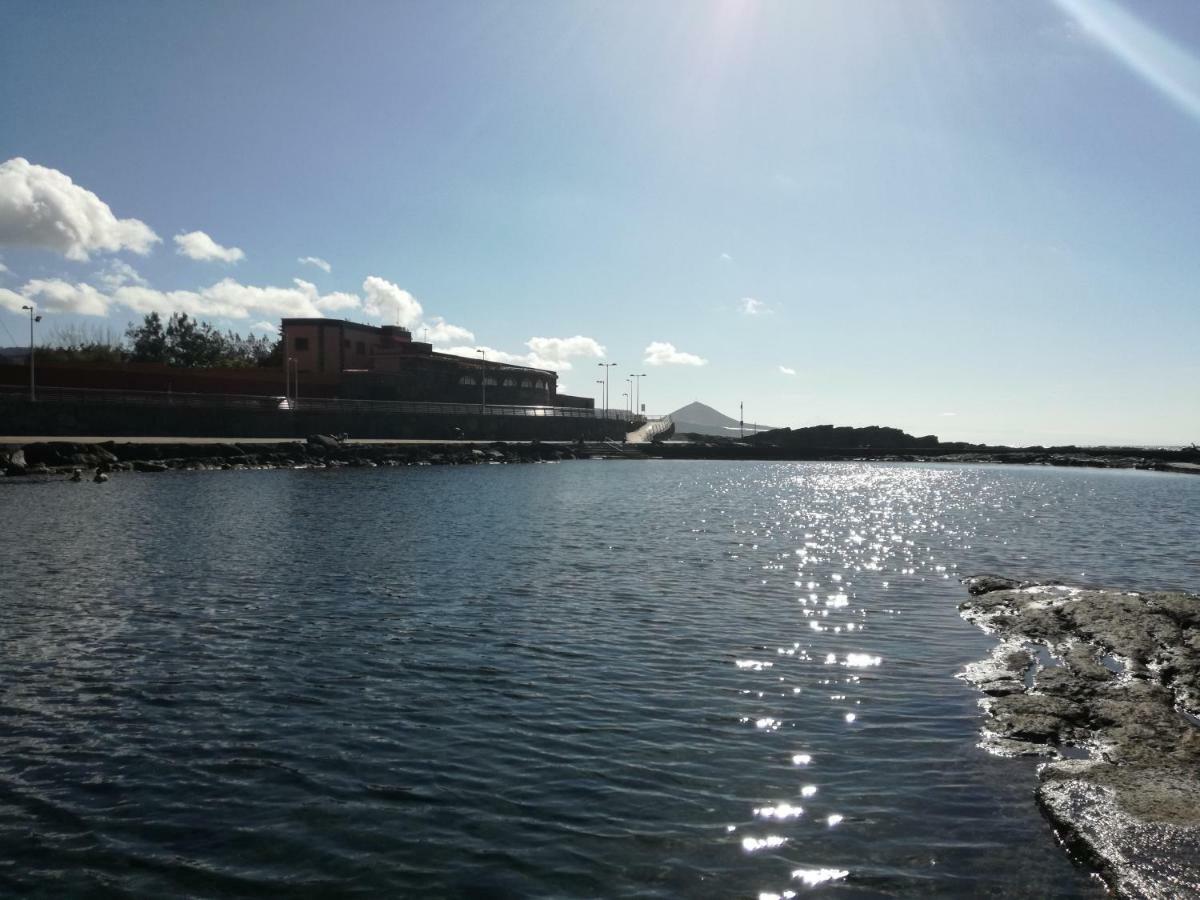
(306, 404)
(659, 425)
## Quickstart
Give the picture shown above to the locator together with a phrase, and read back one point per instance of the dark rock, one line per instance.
(1134, 805)
(147, 466)
(324, 441)
(985, 584)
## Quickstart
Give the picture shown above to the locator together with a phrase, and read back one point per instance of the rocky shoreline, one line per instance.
(56, 458)
(1106, 684)
(1179, 461)
(50, 458)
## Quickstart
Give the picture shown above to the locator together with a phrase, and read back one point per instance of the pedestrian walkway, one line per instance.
(655, 427)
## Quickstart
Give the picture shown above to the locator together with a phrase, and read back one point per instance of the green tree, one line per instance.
(149, 340)
(188, 343)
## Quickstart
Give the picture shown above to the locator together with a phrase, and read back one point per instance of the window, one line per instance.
(300, 344)
(466, 379)
(490, 381)
(508, 382)
(360, 348)
(526, 384)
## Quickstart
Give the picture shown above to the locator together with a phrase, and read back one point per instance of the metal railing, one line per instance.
(307, 404)
(656, 425)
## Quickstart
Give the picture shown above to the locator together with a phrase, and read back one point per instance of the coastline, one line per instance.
(63, 458)
(1106, 685)
(53, 456)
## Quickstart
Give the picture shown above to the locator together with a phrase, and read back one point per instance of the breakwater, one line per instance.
(1113, 677)
(1183, 461)
(50, 458)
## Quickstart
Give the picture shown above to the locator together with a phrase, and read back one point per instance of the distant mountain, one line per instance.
(696, 418)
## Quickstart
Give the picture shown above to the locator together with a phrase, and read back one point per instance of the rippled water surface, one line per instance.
(579, 680)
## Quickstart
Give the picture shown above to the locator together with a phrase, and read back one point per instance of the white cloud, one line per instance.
(556, 353)
(226, 299)
(315, 261)
(331, 302)
(950, 414)
(544, 353)
(42, 207)
(725, 257)
(661, 353)
(752, 307)
(118, 273)
(786, 371)
(53, 295)
(391, 303)
(438, 331)
(337, 301)
(11, 300)
(3, 268)
(265, 326)
(198, 245)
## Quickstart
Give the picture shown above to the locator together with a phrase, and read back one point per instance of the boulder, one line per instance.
(985, 584)
(324, 441)
(16, 463)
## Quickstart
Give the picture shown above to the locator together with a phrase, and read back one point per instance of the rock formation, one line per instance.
(1106, 683)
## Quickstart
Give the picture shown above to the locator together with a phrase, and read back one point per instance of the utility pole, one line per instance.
(32, 319)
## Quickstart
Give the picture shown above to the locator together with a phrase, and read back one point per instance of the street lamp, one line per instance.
(629, 402)
(600, 381)
(32, 319)
(625, 402)
(606, 367)
(638, 392)
(482, 379)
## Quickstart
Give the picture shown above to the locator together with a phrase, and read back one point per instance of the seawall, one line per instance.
(67, 418)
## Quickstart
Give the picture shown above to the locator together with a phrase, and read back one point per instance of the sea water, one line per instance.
(590, 679)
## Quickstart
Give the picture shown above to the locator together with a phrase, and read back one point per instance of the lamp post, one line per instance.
(638, 391)
(32, 319)
(600, 381)
(629, 402)
(625, 402)
(482, 379)
(606, 367)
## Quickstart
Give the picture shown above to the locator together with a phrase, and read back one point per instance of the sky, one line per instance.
(977, 220)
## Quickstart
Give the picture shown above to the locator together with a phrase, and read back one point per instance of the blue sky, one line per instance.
(977, 220)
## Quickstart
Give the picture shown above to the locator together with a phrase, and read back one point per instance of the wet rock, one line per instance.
(142, 465)
(1128, 679)
(16, 463)
(985, 584)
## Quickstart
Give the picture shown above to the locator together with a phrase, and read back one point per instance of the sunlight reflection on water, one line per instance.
(574, 680)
